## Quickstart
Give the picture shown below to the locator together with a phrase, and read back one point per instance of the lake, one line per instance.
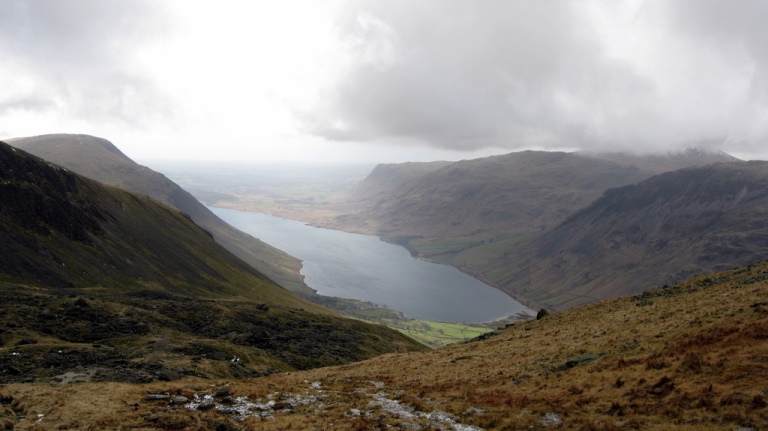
(363, 267)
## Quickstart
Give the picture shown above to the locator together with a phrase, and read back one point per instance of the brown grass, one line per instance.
(697, 358)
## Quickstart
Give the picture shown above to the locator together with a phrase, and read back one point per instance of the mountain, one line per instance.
(687, 356)
(517, 193)
(100, 160)
(133, 290)
(664, 229)
(482, 198)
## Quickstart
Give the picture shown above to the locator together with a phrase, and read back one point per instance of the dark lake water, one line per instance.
(363, 267)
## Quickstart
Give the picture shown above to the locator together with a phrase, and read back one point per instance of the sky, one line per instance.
(387, 81)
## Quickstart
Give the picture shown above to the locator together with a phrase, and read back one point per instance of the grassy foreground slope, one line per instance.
(99, 159)
(117, 286)
(689, 356)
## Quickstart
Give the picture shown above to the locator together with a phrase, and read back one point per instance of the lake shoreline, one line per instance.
(429, 291)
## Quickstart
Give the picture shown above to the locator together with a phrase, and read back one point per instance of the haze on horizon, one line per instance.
(375, 81)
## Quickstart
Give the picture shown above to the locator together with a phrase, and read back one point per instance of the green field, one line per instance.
(437, 334)
(433, 334)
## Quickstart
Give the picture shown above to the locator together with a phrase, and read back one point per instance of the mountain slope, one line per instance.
(661, 230)
(129, 286)
(520, 192)
(99, 159)
(690, 356)
(516, 193)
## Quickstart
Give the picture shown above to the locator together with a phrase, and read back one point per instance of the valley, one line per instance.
(122, 313)
(499, 219)
(383, 215)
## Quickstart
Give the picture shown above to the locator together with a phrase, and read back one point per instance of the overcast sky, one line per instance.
(388, 80)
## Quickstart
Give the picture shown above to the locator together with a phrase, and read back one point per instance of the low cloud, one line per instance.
(596, 75)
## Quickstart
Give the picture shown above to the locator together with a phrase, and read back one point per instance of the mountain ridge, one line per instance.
(101, 160)
(484, 197)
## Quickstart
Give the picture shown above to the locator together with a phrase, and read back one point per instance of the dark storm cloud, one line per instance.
(79, 53)
(466, 75)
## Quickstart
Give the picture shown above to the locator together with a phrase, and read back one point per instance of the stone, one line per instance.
(179, 399)
(166, 375)
(157, 397)
(551, 419)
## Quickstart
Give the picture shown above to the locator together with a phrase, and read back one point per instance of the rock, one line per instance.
(551, 419)
(167, 375)
(179, 399)
(222, 392)
(439, 415)
(543, 312)
(157, 397)
(206, 405)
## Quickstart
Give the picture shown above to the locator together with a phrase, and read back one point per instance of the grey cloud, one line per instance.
(76, 33)
(737, 31)
(466, 75)
(79, 52)
(32, 103)
(453, 73)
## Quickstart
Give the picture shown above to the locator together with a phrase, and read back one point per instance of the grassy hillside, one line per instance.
(127, 288)
(689, 356)
(99, 159)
